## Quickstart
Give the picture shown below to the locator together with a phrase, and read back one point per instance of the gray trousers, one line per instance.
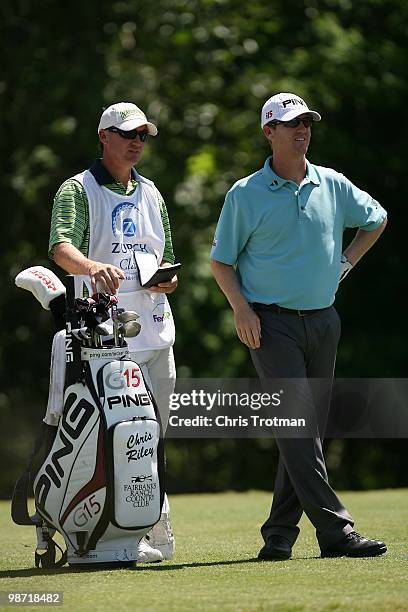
(302, 347)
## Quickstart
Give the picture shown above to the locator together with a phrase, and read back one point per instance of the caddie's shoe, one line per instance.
(146, 553)
(161, 537)
(277, 548)
(355, 545)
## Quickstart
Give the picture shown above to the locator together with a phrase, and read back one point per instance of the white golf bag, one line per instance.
(102, 484)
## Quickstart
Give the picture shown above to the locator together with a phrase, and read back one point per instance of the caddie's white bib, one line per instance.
(120, 227)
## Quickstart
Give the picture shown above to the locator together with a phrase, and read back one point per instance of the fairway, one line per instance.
(215, 566)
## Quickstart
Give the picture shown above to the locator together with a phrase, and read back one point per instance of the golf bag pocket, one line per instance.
(136, 486)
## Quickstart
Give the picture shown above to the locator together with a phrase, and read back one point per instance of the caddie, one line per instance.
(277, 256)
(111, 223)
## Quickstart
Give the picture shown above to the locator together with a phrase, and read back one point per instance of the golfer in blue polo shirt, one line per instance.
(277, 256)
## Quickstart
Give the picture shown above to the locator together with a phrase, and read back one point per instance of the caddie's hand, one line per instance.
(106, 276)
(248, 326)
(167, 287)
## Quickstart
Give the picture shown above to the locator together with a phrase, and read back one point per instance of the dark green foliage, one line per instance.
(201, 69)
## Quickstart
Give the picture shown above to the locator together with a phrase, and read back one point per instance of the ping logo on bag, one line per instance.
(74, 421)
(120, 385)
(139, 399)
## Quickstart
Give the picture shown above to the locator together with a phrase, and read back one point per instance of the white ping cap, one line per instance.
(284, 107)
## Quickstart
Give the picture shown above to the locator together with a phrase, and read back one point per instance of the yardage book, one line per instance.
(149, 271)
(161, 275)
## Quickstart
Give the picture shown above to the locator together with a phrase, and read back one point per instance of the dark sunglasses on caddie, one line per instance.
(130, 134)
(294, 123)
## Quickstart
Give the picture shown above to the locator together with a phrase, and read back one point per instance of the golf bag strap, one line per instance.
(47, 558)
(19, 501)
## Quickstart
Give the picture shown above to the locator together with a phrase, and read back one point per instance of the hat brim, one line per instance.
(292, 114)
(132, 124)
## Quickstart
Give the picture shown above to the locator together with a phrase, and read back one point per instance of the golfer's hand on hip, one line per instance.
(105, 277)
(248, 326)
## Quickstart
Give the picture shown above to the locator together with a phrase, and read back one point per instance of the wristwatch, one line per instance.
(345, 267)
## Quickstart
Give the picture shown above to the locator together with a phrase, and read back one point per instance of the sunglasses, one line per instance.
(294, 123)
(130, 134)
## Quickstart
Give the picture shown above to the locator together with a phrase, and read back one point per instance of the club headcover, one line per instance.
(42, 283)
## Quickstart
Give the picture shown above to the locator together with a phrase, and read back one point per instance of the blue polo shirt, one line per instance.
(286, 239)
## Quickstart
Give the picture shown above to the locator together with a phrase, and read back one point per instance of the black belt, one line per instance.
(279, 309)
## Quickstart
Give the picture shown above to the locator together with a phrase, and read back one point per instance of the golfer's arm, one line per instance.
(362, 242)
(70, 259)
(227, 281)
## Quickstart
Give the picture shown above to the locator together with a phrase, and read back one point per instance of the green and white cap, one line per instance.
(125, 116)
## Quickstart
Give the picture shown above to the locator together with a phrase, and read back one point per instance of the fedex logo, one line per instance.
(160, 319)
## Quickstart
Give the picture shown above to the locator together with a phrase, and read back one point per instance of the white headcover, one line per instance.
(42, 283)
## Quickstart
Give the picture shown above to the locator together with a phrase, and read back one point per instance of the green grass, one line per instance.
(215, 568)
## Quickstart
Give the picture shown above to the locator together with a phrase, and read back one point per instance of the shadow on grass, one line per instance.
(30, 572)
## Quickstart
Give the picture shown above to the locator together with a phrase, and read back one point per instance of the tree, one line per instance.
(202, 69)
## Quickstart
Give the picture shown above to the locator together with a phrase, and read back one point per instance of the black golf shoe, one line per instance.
(355, 545)
(276, 548)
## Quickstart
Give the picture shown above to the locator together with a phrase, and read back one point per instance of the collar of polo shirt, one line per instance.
(274, 181)
(103, 176)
